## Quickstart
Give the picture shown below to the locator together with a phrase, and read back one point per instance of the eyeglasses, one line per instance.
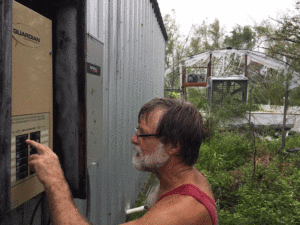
(144, 135)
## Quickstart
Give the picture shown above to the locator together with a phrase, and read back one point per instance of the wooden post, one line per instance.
(284, 117)
(183, 82)
(284, 114)
(208, 75)
(209, 68)
(246, 66)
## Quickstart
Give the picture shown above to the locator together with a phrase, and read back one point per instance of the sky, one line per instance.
(229, 12)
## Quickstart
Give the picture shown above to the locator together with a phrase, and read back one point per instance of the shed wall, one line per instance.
(132, 74)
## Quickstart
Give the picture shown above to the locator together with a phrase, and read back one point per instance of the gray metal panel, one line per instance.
(94, 101)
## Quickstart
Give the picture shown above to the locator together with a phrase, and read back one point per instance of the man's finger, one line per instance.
(31, 166)
(33, 157)
(39, 147)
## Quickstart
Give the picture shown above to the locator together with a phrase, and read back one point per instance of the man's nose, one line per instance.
(134, 139)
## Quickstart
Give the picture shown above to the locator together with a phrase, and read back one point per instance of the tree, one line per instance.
(241, 37)
(175, 49)
(216, 34)
(282, 40)
(206, 37)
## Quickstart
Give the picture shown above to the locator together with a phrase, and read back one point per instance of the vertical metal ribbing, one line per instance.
(133, 49)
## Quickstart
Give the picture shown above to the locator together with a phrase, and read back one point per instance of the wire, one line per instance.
(88, 201)
(36, 207)
(49, 221)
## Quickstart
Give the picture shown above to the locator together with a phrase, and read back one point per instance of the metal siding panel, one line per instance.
(94, 124)
(150, 73)
(94, 101)
(139, 45)
(131, 71)
(129, 124)
(102, 200)
(151, 65)
(144, 50)
(136, 56)
(150, 45)
(120, 118)
(149, 52)
(126, 128)
(93, 190)
(81, 205)
(113, 77)
(100, 19)
(93, 15)
(88, 15)
(132, 55)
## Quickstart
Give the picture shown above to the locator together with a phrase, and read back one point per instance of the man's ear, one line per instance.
(174, 149)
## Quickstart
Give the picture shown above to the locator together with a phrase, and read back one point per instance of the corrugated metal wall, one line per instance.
(132, 74)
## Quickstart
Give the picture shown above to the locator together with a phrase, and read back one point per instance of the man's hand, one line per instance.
(45, 164)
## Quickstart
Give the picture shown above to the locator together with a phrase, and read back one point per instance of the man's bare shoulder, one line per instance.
(175, 209)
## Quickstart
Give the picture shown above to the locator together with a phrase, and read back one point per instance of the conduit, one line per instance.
(138, 209)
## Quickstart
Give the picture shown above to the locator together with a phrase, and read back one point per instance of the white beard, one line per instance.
(150, 162)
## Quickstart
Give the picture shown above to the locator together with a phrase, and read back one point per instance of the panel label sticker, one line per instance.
(93, 69)
(26, 35)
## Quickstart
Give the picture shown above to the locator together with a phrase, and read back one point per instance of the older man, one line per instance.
(167, 142)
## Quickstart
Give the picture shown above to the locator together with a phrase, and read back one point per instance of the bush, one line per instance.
(197, 96)
(272, 196)
(225, 151)
(175, 95)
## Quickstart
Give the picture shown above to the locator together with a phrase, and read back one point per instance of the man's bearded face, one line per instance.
(152, 161)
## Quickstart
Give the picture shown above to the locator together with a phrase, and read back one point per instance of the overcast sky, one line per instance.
(229, 12)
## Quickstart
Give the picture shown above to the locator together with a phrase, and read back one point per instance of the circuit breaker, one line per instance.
(32, 94)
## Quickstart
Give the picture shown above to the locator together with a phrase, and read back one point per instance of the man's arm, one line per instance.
(62, 208)
(48, 170)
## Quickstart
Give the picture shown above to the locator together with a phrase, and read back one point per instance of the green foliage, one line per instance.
(271, 90)
(229, 107)
(206, 37)
(282, 39)
(175, 49)
(272, 197)
(294, 97)
(198, 97)
(241, 37)
(174, 95)
(224, 151)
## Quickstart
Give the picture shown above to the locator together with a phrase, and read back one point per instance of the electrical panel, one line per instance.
(32, 94)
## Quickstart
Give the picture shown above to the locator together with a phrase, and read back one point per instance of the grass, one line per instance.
(271, 196)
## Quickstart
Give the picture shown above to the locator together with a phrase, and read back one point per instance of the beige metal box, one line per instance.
(32, 104)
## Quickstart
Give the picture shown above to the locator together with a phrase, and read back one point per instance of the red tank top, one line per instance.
(192, 190)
